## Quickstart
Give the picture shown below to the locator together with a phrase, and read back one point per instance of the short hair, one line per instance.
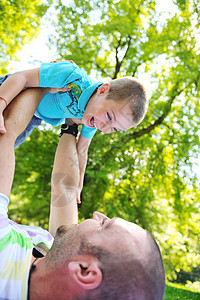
(129, 89)
(125, 276)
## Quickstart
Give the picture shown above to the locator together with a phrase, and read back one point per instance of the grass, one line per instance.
(177, 292)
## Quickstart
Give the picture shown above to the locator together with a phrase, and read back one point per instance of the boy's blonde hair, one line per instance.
(129, 89)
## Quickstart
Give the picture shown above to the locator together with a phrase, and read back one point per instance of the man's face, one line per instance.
(110, 233)
(107, 115)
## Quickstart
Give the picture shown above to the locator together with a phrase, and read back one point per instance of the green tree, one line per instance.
(146, 174)
(19, 23)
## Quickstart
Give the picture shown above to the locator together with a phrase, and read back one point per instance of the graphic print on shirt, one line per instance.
(75, 90)
(74, 94)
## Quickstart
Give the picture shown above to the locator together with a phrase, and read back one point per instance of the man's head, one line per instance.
(116, 106)
(109, 259)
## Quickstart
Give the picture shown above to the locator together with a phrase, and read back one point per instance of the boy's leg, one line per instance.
(17, 115)
(3, 78)
(35, 121)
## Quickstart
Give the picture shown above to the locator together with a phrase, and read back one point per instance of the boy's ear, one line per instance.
(86, 274)
(103, 89)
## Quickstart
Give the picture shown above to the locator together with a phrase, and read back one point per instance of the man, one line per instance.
(100, 258)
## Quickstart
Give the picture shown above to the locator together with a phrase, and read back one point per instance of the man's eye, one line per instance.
(109, 117)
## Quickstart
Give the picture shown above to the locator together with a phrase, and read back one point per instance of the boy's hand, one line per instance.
(2, 127)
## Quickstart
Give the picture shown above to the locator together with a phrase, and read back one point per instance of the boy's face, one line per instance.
(107, 115)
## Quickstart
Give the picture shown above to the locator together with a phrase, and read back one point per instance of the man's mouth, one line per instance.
(92, 122)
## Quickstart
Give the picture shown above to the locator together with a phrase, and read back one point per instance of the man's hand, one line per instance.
(57, 61)
(78, 197)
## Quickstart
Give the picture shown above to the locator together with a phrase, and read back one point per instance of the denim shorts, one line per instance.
(35, 121)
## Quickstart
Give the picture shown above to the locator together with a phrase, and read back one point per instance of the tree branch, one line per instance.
(119, 63)
(102, 70)
(160, 120)
(117, 67)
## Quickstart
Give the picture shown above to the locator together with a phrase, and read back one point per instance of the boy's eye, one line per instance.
(109, 117)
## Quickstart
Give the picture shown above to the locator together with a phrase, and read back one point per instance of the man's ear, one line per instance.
(103, 89)
(87, 274)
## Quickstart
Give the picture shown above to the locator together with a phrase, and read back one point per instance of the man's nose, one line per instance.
(99, 216)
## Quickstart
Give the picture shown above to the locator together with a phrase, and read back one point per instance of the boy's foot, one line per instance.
(2, 131)
(2, 128)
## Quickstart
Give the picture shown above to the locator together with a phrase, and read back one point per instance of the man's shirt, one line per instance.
(16, 244)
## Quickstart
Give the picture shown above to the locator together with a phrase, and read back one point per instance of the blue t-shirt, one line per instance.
(54, 108)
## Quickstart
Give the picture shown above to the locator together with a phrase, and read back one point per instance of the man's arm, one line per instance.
(17, 116)
(82, 149)
(64, 184)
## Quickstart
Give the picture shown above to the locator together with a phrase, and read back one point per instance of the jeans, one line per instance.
(35, 121)
(3, 78)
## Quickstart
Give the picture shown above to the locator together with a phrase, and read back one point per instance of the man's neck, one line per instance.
(51, 284)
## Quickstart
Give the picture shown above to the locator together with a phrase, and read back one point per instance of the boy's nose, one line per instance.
(105, 127)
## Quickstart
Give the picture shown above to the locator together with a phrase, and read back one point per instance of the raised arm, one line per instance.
(82, 149)
(17, 116)
(64, 183)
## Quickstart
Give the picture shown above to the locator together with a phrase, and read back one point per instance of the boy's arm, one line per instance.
(18, 81)
(82, 149)
(14, 84)
(64, 184)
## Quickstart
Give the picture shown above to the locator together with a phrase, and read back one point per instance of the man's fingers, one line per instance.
(57, 61)
(64, 89)
(56, 90)
(78, 197)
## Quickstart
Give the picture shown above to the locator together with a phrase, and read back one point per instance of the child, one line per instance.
(115, 106)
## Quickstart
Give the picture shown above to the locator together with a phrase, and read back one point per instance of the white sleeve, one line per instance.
(4, 201)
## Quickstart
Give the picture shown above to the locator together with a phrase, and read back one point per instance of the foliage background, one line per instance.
(147, 174)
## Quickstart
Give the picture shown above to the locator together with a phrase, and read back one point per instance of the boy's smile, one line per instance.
(105, 114)
(91, 122)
